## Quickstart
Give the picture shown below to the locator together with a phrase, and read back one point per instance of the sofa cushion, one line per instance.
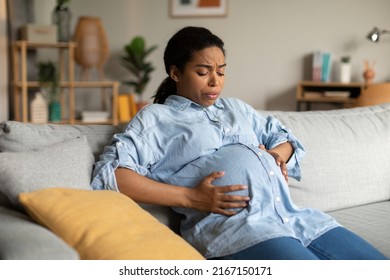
(347, 156)
(165, 215)
(18, 137)
(22, 239)
(66, 164)
(370, 221)
(105, 225)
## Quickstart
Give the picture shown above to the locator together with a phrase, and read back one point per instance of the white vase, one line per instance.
(345, 73)
(38, 109)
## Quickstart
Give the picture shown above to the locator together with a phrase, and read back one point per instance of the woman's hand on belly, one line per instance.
(281, 160)
(207, 197)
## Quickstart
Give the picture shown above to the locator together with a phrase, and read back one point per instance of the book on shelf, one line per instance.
(317, 66)
(326, 64)
(313, 94)
(123, 108)
(127, 108)
(344, 94)
(321, 66)
(95, 116)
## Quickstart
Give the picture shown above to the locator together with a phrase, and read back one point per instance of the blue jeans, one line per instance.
(336, 244)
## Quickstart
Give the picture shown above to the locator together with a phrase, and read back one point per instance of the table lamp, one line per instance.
(375, 34)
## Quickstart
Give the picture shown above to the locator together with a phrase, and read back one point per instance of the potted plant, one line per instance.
(49, 82)
(135, 61)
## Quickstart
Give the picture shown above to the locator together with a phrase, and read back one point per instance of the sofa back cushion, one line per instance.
(347, 160)
(66, 164)
(20, 137)
(23, 137)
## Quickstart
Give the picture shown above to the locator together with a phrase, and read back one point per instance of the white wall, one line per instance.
(3, 63)
(268, 42)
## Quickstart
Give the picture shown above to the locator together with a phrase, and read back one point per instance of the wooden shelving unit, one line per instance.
(66, 68)
(309, 92)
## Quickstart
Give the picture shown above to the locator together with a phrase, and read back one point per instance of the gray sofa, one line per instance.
(345, 173)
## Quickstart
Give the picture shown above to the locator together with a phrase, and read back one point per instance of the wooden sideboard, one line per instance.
(336, 94)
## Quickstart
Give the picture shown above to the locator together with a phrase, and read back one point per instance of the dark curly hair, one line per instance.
(180, 50)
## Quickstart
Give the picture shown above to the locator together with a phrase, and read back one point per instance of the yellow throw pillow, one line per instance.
(105, 225)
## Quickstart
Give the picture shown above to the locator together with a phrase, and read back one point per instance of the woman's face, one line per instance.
(203, 77)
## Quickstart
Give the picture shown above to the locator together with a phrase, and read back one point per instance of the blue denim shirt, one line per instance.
(181, 142)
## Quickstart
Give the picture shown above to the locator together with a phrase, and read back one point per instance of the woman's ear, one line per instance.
(174, 73)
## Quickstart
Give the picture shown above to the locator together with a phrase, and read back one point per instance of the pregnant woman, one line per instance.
(221, 164)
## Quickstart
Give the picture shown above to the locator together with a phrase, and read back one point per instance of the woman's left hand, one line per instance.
(279, 161)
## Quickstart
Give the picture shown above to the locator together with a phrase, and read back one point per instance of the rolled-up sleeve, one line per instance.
(123, 152)
(273, 133)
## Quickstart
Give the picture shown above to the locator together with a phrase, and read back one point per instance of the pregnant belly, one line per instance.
(240, 164)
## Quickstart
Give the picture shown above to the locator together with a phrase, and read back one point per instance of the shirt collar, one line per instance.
(182, 103)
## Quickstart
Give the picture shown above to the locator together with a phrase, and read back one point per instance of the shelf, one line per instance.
(316, 92)
(76, 84)
(329, 84)
(327, 99)
(21, 84)
(34, 45)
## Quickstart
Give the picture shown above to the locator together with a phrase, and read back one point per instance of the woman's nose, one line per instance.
(213, 80)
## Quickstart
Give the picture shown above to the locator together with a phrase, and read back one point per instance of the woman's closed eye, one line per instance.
(202, 74)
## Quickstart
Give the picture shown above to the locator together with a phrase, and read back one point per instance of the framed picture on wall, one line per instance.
(198, 8)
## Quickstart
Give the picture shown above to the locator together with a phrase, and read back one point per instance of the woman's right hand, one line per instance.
(207, 197)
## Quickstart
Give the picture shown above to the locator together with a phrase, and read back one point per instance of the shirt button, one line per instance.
(259, 153)
(227, 130)
(286, 220)
(271, 173)
(277, 198)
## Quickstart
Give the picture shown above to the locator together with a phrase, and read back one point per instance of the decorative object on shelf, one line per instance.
(54, 111)
(135, 62)
(39, 33)
(49, 81)
(92, 46)
(39, 109)
(369, 72)
(61, 18)
(345, 69)
(375, 34)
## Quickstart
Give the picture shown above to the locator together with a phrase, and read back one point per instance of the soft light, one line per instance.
(374, 35)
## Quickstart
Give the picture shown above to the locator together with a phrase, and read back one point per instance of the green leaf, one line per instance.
(138, 45)
(134, 61)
